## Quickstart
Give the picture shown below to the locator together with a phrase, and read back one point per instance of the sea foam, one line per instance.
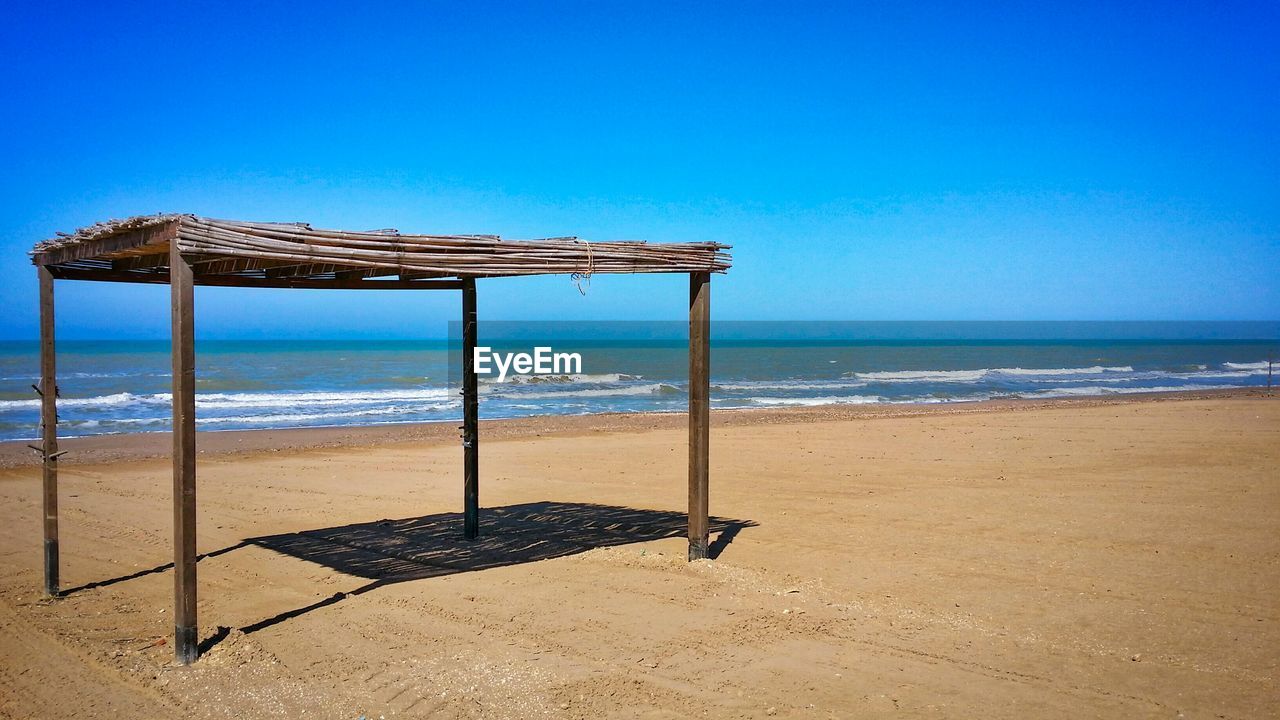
(972, 376)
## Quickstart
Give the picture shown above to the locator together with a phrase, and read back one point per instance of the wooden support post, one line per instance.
(182, 301)
(49, 431)
(470, 416)
(699, 411)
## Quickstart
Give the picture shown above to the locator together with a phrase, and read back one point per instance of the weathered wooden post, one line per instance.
(699, 411)
(49, 431)
(470, 416)
(182, 307)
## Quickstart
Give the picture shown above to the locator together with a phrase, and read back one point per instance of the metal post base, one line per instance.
(51, 568)
(186, 646)
(697, 550)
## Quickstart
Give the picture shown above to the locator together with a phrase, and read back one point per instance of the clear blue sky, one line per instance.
(884, 161)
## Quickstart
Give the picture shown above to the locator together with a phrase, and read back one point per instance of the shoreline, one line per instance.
(122, 447)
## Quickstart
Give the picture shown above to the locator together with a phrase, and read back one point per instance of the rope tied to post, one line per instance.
(579, 277)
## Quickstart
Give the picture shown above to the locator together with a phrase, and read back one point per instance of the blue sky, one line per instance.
(910, 161)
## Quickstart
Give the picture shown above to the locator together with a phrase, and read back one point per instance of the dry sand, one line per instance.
(1070, 559)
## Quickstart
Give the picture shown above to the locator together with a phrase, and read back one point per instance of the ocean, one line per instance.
(122, 386)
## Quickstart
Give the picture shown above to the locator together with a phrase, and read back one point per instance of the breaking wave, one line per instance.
(981, 374)
(822, 400)
(1263, 365)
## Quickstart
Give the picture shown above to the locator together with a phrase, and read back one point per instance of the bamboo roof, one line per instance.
(249, 254)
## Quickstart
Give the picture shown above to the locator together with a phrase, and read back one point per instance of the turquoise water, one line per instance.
(122, 386)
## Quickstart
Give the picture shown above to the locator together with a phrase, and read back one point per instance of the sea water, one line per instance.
(123, 386)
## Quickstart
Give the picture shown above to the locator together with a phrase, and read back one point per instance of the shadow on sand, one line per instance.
(393, 551)
(149, 571)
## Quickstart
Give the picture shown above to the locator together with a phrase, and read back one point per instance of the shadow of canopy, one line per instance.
(394, 551)
(431, 546)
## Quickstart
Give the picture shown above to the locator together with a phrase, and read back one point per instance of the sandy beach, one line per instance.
(1095, 558)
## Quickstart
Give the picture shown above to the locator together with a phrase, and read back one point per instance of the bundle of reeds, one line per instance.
(421, 255)
(447, 255)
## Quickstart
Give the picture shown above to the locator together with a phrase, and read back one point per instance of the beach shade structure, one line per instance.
(185, 251)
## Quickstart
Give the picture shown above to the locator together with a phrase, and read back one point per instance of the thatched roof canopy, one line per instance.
(185, 250)
(237, 253)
